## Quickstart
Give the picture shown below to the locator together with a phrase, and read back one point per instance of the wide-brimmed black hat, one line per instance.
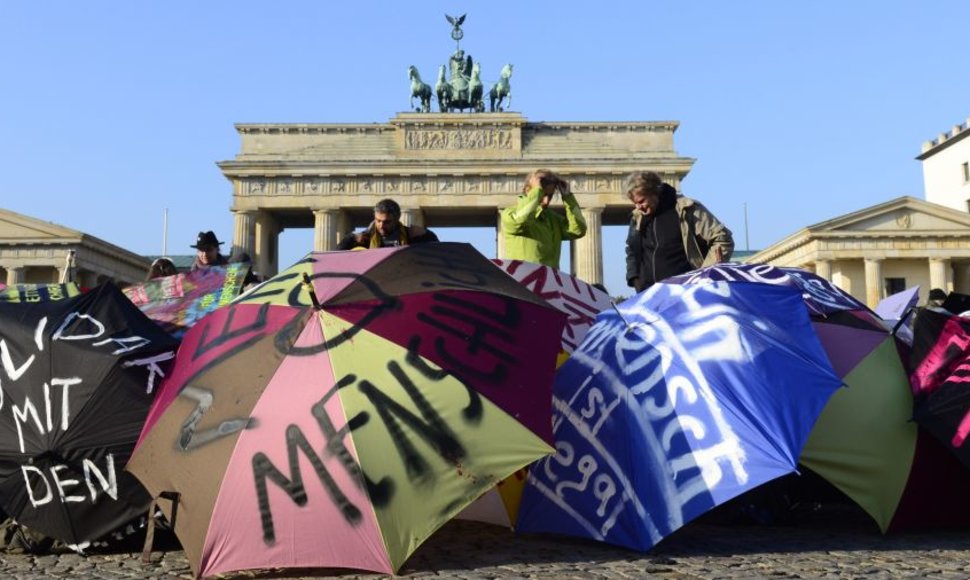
(206, 240)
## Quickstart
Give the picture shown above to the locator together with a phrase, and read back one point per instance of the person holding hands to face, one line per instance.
(533, 232)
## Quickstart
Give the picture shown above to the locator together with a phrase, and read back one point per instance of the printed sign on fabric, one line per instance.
(177, 302)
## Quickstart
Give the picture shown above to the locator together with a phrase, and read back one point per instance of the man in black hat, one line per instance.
(207, 251)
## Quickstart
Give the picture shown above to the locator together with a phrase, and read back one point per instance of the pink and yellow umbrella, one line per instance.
(341, 427)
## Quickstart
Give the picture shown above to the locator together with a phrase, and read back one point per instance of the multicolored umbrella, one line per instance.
(78, 376)
(177, 302)
(341, 427)
(864, 442)
(686, 397)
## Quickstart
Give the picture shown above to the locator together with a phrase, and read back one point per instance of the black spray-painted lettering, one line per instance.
(264, 469)
(479, 328)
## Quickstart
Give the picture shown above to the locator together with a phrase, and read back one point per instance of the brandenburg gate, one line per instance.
(444, 169)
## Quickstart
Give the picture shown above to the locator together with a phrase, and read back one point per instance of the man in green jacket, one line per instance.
(534, 233)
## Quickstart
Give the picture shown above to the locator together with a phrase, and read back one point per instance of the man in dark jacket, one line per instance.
(669, 234)
(387, 230)
(207, 251)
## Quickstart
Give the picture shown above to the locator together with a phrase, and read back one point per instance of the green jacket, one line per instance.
(533, 234)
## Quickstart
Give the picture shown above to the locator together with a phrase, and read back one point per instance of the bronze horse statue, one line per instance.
(443, 91)
(419, 89)
(501, 89)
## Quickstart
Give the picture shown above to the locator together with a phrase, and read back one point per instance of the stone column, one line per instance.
(587, 252)
(344, 226)
(961, 277)
(325, 230)
(15, 275)
(266, 255)
(499, 238)
(412, 216)
(873, 267)
(823, 269)
(243, 233)
(940, 276)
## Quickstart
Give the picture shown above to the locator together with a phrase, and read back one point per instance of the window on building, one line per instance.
(894, 285)
(966, 172)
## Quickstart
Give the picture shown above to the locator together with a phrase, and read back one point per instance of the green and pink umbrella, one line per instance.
(338, 422)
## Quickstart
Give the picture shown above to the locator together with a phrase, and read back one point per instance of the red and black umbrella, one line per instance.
(941, 379)
(78, 377)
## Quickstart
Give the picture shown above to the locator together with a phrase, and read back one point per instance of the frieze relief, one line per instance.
(410, 184)
(437, 139)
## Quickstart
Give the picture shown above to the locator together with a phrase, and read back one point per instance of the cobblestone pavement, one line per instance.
(839, 547)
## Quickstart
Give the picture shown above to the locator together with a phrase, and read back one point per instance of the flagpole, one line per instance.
(747, 248)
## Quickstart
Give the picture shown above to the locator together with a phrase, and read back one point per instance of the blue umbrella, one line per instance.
(681, 399)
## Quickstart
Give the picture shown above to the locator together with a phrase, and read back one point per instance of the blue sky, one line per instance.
(111, 112)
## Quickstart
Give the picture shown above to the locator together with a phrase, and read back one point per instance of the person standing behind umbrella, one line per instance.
(387, 230)
(534, 233)
(207, 251)
(669, 234)
(161, 268)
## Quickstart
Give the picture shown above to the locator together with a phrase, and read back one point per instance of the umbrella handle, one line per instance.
(309, 288)
(173, 496)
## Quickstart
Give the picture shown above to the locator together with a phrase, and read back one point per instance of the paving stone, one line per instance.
(472, 551)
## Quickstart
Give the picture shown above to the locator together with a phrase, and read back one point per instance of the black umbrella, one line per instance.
(77, 378)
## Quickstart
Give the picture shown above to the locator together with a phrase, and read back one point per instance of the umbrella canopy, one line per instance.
(577, 299)
(941, 379)
(343, 434)
(821, 296)
(177, 302)
(684, 398)
(894, 306)
(78, 377)
(896, 310)
(864, 442)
